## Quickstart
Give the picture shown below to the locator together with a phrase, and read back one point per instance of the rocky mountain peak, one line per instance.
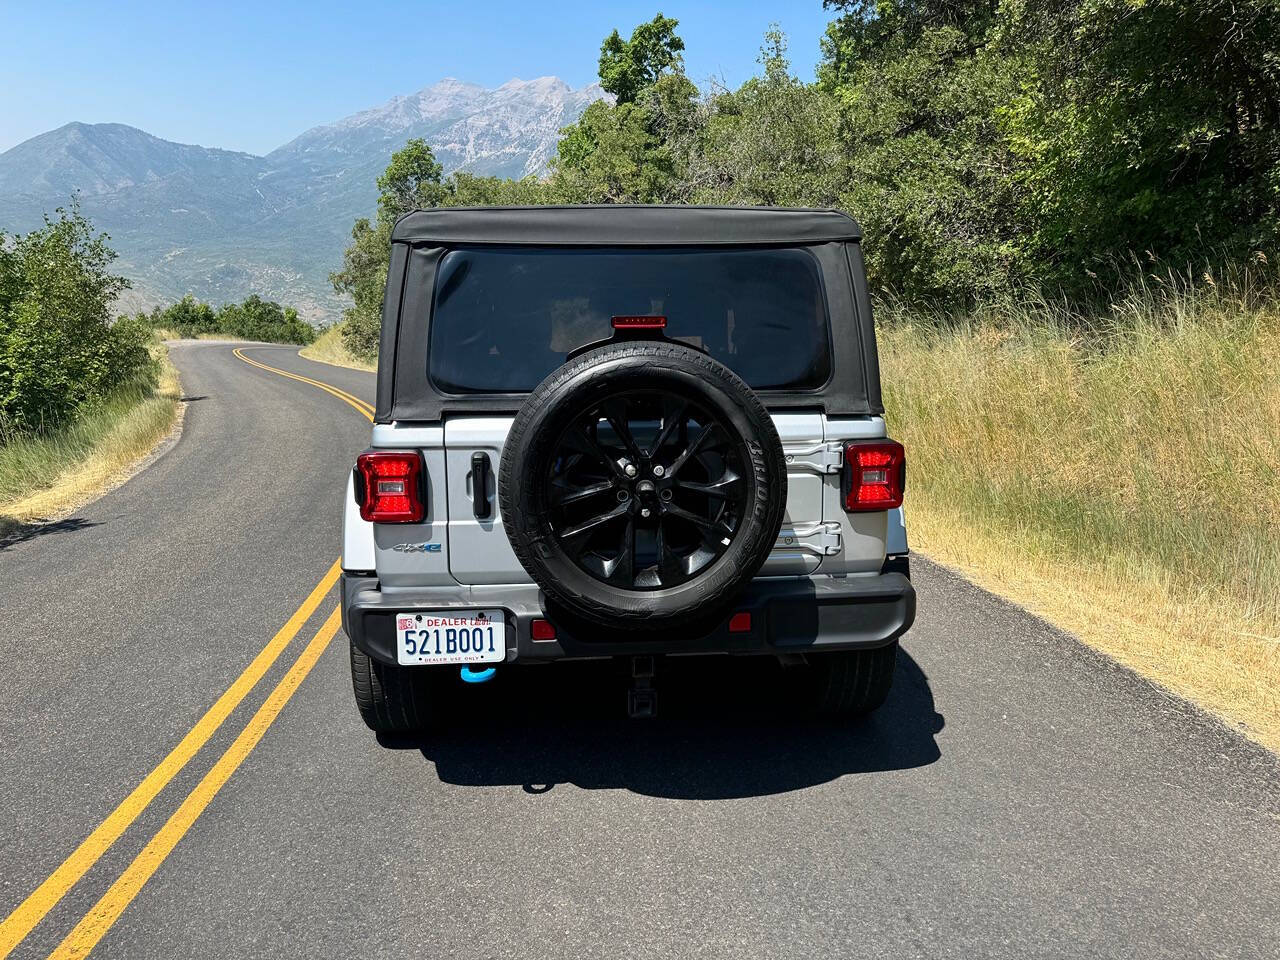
(221, 224)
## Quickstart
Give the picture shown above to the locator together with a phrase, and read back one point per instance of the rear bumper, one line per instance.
(787, 616)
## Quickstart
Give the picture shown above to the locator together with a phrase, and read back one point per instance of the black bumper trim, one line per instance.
(787, 616)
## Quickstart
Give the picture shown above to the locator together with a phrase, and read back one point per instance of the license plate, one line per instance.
(451, 636)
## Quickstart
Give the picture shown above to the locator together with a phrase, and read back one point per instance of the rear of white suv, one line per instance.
(625, 432)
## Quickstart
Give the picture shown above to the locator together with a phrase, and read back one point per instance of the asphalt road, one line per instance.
(1019, 796)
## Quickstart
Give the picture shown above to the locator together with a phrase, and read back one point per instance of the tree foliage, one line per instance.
(258, 319)
(189, 317)
(931, 174)
(634, 150)
(773, 141)
(411, 181)
(363, 277)
(1035, 139)
(984, 145)
(59, 347)
(628, 67)
(253, 319)
(1147, 125)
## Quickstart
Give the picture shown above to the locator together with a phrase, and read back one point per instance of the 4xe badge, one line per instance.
(428, 547)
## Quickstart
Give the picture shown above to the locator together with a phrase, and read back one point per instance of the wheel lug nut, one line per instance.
(645, 512)
(658, 470)
(630, 470)
(623, 496)
(665, 494)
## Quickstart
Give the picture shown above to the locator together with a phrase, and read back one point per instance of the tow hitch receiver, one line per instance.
(642, 699)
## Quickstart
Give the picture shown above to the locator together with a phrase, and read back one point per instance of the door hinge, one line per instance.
(819, 457)
(820, 539)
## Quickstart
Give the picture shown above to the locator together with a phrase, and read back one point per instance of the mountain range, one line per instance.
(221, 224)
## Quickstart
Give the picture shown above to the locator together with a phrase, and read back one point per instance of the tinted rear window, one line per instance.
(505, 318)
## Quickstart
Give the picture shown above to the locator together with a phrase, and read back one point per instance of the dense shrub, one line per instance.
(58, 346)
(258, 319)
(254, 319)
(188, 317)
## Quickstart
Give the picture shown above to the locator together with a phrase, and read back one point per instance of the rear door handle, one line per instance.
(480, 485)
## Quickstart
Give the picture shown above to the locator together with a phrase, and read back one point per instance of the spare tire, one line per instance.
(642, 485)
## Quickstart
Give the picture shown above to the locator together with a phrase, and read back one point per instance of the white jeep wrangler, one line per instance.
(625, 432)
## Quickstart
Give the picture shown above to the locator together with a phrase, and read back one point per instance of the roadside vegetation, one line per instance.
(1096, 441)
(45, 475)
(329, 346)
(1117, 472)
(253, 319)
(81, 397)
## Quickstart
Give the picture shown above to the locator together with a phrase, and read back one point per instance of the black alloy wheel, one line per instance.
(645, 490)
(642, 486)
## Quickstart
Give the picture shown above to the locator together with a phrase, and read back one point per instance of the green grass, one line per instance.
(1117, 471)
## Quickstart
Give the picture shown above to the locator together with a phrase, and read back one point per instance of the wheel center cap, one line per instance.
(645, 487)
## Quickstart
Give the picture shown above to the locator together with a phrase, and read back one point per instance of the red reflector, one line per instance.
(740, 622)
(874, 475)
(639, 323)
(543, 630)
(391, 487)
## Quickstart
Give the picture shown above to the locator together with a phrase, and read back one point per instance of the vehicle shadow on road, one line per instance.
(13, 532)
(723, 731)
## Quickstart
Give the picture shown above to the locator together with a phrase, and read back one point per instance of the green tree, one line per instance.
(189, 317)
(1150, 125)
(634, 150)
(995, 142)
(628, 67)
(410, 182)
(363, 276)
(58, 345)
(613, 154)
(774, 141)
(930, 174)
(468, 190)
(259, 319)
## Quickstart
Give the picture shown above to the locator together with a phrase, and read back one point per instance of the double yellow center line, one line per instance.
(366, 409)
(94, 925)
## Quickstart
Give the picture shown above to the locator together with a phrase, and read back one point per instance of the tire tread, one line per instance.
(391, 699)
(849, 683)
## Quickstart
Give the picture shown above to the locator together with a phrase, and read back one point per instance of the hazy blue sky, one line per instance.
(251, 76)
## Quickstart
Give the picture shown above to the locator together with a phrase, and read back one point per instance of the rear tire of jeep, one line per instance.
(642, 486)
(391, 699)
(845, 683)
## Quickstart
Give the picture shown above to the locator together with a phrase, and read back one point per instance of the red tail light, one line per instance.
(389, 487)
(639, 323)
(875, 475)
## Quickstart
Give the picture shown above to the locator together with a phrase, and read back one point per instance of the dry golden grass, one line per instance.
(1122, 480)
(329, 348)
(47, 478)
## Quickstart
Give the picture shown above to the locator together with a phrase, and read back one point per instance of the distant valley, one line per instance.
(221, 224)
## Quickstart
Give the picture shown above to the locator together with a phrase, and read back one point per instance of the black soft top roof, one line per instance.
(624, 225)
